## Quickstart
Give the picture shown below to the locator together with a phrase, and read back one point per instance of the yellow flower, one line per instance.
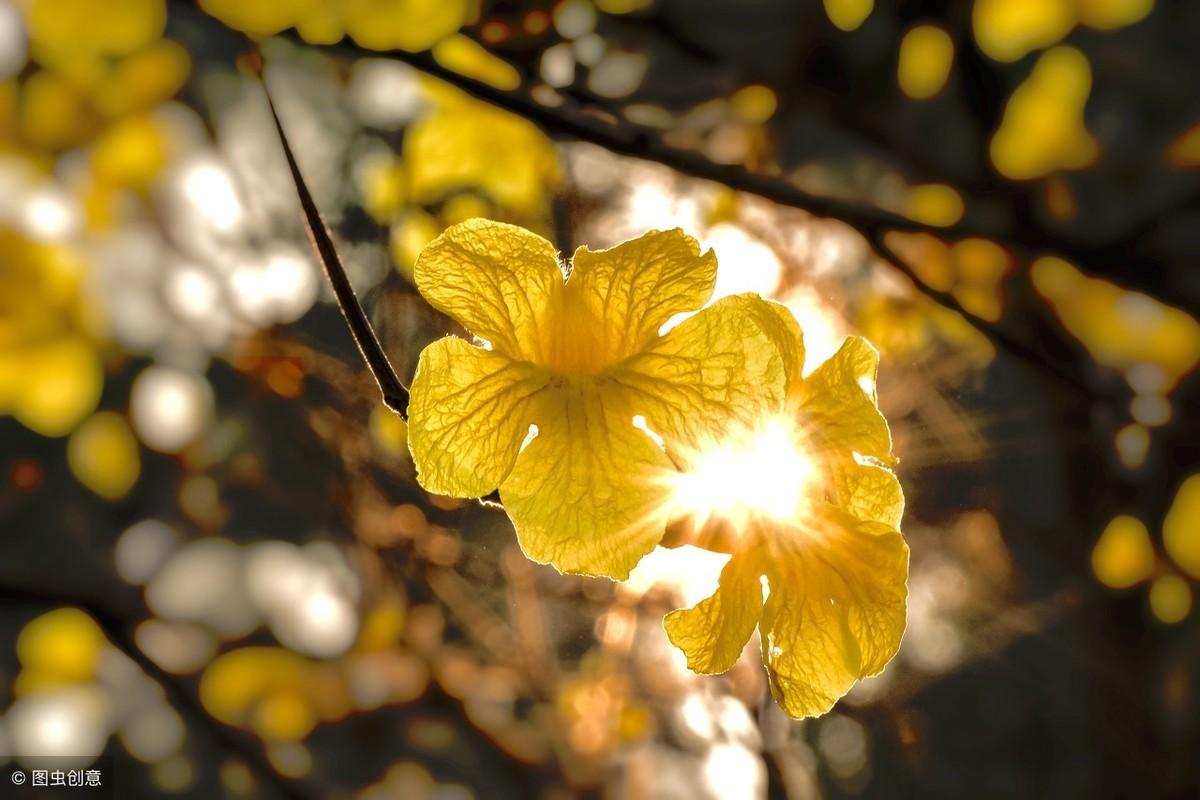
(466, 143)
(410, 25)
(817, 511)
(578, 360)
(50, 373)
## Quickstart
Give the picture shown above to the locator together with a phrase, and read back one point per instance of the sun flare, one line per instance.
(763, 472)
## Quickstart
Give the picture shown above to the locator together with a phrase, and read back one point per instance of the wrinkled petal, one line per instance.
(586, 495)
(868, 492)
(838, 405)
(719, 367)
(836, 612)
(498, 281)
(470, 410)
(713, 633)
(630, 290)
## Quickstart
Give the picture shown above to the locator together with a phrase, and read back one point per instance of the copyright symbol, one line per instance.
(18, 778)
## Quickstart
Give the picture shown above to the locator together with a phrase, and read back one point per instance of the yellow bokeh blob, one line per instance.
(103, 455)
(754, 104)
(934, 204)
(1123, 556)
(284, 716)
(848, 15)
(131, 154)
(1181, 527)
(1184, 150)
(53, 113)
(1042, 130)
(72, 28)
(410, 25)
(1170, 599)
(1120, 329)
(408, 237)
(1008, 29)
(468, 57)
(973, 269)
(50, 388)
(388, 431)
(926, 55)
(59, 647)
(1112, 14)
(143, 79)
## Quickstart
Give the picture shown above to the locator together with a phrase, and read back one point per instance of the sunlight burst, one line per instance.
(755, 473)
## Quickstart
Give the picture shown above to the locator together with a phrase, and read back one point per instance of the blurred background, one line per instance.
(218, 577)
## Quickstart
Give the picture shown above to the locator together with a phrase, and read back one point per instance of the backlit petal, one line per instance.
(470, 409)
(586, 494)
(498, 281)
(713, 633)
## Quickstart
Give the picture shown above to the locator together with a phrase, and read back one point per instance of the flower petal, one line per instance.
(469, 412)
(868, 492)
(719, 367)
(630, 290)
(836, 611)
(838, 402)
(499, 281)
(713, 632)
(586, 495)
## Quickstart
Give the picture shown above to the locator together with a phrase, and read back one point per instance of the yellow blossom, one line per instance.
(816, 532)
(465, 143)
(572, 363)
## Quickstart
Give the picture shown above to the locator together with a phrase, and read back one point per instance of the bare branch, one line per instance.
(395, 394)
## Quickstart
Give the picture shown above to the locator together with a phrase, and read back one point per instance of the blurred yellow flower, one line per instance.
(50, 373)
(1170, 599)
(1123, 556)
(848, 15)
(1042, 130)
(1008, 29)
(1181, 527)
(934, 204)
(1121, 329)
(972, 270)
(818, 564)
(103, 455)
(577, 359)
(468, 57)
(410, 25)
(466, 143)
(75, 29)
(926, 55)
(60, 647)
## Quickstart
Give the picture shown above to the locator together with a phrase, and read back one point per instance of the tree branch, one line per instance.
(395, 394)
(631, 140)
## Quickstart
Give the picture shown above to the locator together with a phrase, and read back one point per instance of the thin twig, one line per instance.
(394, 392)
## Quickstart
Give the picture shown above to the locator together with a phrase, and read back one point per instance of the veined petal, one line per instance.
(838, 406)
(836, 612)
(868, 492)
(720, 367)
(498, 281)
(630, 290)
(587, 494)
(469, 411)
(713, 632)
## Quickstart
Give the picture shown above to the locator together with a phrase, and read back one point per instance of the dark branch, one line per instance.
(395, 394)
